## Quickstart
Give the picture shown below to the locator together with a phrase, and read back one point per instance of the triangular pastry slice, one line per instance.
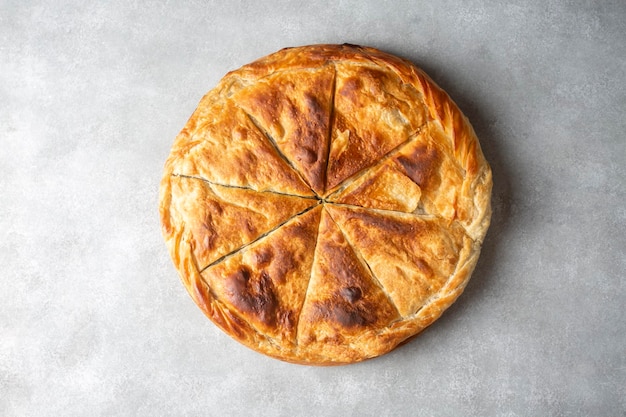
(219, 220)
(384, 187)
(343, 301)
(293, 108)
(428, 163)
(420, 173)
(266, 282)
(374, 112)
(228, 149)
(412, 257)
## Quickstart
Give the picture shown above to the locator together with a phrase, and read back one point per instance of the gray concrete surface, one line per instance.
(93, 319)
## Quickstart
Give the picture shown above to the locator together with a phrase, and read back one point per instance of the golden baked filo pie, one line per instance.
(325, 203)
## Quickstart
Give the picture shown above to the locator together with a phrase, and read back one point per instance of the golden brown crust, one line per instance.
(222, 219)
(419, 255)
(296, 116)
(266, 282)
(325, 203)
(383, 187)
(344, 300)
(374, 113)
(225, 147)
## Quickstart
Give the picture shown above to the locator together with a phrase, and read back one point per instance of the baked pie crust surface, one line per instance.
(325, 203)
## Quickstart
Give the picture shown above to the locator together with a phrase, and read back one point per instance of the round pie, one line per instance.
(325, 203)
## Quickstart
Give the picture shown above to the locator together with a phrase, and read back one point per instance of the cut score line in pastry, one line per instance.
(320, 201)
(342, 185)
(392, 216)
(314, 201)
(282, 156)
(308, 286)
(300, 105)
(331, 125)
(359, 256)
(234, 252)
(241, 187)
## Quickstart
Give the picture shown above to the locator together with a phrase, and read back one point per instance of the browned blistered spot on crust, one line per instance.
(281, 264)
(267, 103)
(309, 127)
(208, 236)
(263, 257)
(346, 314)
(244, 224)
(351, 89)
(281, 256)
(316, 115)
(420, 164)
(214, 207)
(423, 267)
(390, 225)
(306, 155)
(351, 294)
(411, 234)
(255, 296)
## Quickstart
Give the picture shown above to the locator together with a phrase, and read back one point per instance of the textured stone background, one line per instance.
(93, 319)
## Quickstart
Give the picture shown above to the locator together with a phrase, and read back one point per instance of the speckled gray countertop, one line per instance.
(93, 318)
